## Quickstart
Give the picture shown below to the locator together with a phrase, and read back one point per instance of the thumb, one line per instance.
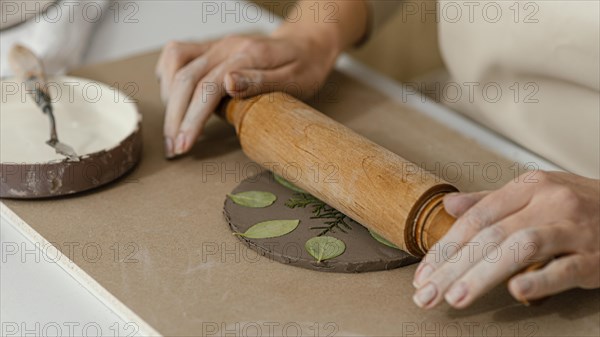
(245, 83)
(238, 83)
(456, 204)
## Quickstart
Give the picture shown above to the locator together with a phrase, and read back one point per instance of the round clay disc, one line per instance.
(363, 252)
(100, 123)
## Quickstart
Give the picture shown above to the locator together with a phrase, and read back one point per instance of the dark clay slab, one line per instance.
(363, 253)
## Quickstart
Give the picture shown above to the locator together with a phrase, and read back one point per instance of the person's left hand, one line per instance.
(536, 218)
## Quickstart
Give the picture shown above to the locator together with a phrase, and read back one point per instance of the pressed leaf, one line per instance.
(270, 229)
(382, 240)
(254, 199)
(324, 247)
(321, 211)
(287, 184)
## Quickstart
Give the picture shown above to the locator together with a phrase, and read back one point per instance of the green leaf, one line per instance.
(287, 184)
(254, 199)
(270, 229)
(324, 247)
(382, 240)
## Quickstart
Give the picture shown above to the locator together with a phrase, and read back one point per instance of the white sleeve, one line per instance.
(59, 36)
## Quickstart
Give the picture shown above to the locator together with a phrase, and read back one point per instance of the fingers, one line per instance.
(187, 81)
(195, 89)
(183, 87)
(267, 74)
(206, 97)
(245, 83)
(499, 233)
(478, 248)
(561, 274)
(492, 256)
(267, 53)
(174, 56)
(502, 261)
(456, 204)
(490, 209)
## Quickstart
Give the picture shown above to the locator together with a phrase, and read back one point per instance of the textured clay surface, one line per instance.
(363, 253)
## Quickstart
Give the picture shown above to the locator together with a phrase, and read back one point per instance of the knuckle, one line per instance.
(475, 219)
(172, 44)
(246, 45)
(529, 236)
(239, 55)
(570, 269)
(565, 192)
(173, 48)
(253, 47)
(528, 180)
(532, 236)
(567, 197)
(260, 48)
(231, 40)
(493, 234)
(528, 246)
(184, 76)
(541, 177)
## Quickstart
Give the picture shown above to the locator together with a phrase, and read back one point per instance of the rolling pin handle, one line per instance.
(431, 224)
(233, 110)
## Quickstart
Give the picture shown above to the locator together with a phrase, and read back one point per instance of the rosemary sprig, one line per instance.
(321, 211)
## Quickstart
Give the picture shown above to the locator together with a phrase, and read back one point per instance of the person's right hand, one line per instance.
(194, 77)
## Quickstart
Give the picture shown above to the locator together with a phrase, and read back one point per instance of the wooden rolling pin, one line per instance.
(372, 185)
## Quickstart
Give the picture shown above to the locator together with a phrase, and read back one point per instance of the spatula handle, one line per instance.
(30, 70)
(28, 67)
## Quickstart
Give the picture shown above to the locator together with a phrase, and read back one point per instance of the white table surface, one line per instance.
(39, 297)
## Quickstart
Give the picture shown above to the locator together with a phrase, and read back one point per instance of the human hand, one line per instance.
(497, 233)
(194, 77)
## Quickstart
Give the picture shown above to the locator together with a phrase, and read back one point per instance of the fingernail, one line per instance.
(456, 294)
(180, 144)
(524, 286)
(169, 147)
(425, 295)
(240, 82)
(422, 275)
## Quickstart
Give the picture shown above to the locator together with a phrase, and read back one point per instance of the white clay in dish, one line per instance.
(90, 117)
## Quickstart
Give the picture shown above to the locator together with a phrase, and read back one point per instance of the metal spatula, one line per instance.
(30, 69)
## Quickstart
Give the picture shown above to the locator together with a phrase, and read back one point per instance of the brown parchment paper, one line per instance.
(158, 242)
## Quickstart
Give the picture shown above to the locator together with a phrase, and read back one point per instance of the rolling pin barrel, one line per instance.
(365, 181)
